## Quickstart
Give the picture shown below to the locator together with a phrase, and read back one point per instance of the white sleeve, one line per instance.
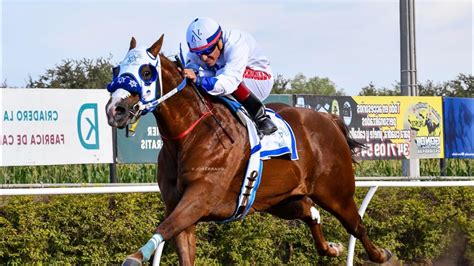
(192, 58)
(229, 77)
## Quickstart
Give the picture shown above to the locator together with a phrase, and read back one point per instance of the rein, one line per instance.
(138, 108)
(187, 131)
(143, 107)
(179, 62)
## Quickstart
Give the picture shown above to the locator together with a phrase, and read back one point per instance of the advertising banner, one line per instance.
(390, 127)
(54, 126)
(279, 98)
(459, 129)
(141, 147)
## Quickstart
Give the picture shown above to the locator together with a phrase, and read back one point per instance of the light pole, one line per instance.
(408, 82)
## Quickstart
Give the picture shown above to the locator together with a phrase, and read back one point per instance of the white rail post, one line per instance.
(352, 239)
(158, 251)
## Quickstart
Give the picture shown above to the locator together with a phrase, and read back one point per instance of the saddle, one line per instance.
(277, 144)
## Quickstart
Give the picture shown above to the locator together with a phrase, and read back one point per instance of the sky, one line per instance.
(353, 43)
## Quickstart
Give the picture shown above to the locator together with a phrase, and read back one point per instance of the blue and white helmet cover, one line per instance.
(202, 33)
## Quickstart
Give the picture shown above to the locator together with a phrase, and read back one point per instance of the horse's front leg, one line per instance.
(197, 201)
(186, 245)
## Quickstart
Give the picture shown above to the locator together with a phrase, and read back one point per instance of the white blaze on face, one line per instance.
(115, 98)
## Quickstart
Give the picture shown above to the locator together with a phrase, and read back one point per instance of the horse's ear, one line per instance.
(156, 47)
(133, 43)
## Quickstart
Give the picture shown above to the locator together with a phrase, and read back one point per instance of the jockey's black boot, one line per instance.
(256, 110)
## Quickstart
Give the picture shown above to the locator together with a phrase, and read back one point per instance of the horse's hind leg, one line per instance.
(346, 213)
(303, 208)
(375, 254)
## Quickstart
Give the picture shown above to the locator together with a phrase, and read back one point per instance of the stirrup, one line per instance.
(266, 126)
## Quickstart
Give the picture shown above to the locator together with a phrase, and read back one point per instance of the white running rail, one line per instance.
(106, 188)
(65, 189)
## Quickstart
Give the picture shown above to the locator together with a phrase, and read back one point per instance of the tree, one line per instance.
(302, 85)
(463, 86)
(280, 85)
(371, 90)
(76, 74)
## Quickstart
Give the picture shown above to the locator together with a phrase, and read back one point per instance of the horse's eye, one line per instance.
(146, 73)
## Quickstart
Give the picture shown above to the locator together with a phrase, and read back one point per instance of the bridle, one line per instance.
(141, 108)
(130, 77)
(149, 103)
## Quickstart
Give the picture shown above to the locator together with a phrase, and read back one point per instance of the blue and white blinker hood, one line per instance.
(129, 76)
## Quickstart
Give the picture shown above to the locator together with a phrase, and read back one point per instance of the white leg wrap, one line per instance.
(315, 214)
(150, 246)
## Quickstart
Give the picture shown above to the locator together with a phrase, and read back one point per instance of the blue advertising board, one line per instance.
(144, 146)
(459, 127)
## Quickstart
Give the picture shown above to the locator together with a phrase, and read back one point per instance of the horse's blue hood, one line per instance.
(125, 82)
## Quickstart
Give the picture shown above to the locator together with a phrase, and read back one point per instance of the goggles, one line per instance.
(206, 51)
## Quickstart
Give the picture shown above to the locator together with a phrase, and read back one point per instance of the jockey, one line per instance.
(224, 62)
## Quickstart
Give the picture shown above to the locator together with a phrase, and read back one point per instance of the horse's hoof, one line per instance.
(132, 261)
(335, 249)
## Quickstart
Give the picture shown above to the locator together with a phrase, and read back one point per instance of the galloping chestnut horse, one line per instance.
(204, 157)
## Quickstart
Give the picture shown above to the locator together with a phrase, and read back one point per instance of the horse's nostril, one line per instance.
(119, 110)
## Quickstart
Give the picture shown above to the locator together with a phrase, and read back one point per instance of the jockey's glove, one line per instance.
(207, 83)
(195, 67)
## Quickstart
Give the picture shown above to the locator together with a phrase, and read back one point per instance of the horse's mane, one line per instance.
(169, 68)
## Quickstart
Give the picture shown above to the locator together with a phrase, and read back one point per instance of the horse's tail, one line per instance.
(354, 145)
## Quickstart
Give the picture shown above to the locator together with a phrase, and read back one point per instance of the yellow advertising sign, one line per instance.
(399, 126)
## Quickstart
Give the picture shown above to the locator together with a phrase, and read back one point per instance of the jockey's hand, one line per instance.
(189, 73)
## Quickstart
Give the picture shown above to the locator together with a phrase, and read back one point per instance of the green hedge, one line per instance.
(417, 224)
(143, 173)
